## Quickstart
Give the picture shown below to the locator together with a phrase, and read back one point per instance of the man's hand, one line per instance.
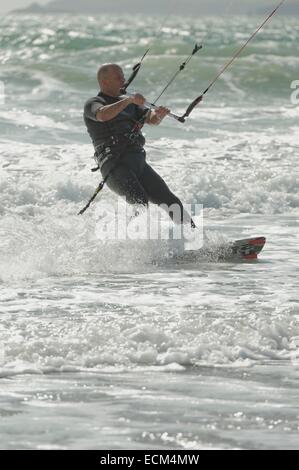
(137, 99)
(161, 112)
(158, 115)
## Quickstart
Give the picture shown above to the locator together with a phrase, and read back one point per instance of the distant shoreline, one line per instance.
(153, 14)
(153, 9)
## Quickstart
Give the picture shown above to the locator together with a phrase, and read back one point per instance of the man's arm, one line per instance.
(110, 111)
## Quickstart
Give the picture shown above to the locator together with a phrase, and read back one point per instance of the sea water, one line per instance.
(111, 344)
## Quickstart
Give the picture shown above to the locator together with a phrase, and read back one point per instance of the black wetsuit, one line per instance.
(131, 176)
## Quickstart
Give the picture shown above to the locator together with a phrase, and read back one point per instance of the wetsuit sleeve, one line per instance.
(91, 109)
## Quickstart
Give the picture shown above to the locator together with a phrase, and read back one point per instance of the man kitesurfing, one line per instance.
(114, 124)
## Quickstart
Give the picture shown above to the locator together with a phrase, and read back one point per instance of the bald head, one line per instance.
(106, 71)
(111, 79)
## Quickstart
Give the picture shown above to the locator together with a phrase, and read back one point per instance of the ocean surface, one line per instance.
(114, 345)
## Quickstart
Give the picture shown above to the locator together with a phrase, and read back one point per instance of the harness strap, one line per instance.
(104, 152)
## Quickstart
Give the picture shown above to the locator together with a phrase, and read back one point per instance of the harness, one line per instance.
(108, 150)
(131, 137)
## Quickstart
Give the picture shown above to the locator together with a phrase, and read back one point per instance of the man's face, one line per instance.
(116, 78)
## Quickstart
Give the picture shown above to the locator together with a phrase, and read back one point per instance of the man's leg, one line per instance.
(125, 183)
(159, 193)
